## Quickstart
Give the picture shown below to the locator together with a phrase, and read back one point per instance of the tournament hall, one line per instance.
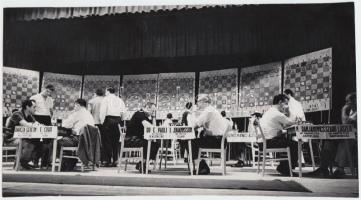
(218, 99)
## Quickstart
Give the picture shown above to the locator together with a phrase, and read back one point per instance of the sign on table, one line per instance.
(235, 136)
(169, 132)
(36, 132)
(335, 131)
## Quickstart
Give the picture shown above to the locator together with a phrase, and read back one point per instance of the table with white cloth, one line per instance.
(169, 133)
(322, 132)
(39, 132)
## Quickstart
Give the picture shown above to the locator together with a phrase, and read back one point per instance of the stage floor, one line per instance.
(173, 181)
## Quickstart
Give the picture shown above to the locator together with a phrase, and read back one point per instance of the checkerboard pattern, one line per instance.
(18, 85)
(309, 76)
(174, 91)
(258, 85)
(222, 86)
(138, 90)
(67, 90)
(94, 82)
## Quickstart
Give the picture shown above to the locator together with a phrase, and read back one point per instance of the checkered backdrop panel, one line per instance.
(310, 77)
(18, 85)
(94, 82)
(258, 85)
(174, 91)
(137, 90)
(222, 86)
(67, 90)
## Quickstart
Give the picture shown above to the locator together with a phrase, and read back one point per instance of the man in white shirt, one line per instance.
(214, 126)
(295, 107)
(72, 125)
(272, 123)
(112, 110)
(43, 112)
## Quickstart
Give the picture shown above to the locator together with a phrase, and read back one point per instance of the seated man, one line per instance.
(135, 132)
(214, 126)
(272, 124)
(71, 126)
(24, 117)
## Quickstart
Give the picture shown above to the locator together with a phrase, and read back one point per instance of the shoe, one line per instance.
(105, 165)
(137, 166)
(203, 172)
(240, 163)
(320, 172)
(185, 160)
(26, 166)
(338, 174)
(283, 170)
(114, 164)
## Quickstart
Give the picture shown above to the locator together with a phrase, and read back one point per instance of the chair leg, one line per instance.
(198, 161)
(141, 162)
(258, 161)
(60, 158)
(264, 162)
(82, 167)
(311, 152)
(224, 162)
(120, 159)
(289, 161)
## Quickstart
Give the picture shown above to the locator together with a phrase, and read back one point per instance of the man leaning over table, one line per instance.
(214, 126)
(25, 117)
(135, 132)
(272, 123)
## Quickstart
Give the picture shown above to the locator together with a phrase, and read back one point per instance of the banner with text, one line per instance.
(334, 131)
(169, 132)
(36, 132)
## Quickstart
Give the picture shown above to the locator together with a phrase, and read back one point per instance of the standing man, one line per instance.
(94, 108)
(43, 112)
(112, 110)
(272, 123)
(295, 107)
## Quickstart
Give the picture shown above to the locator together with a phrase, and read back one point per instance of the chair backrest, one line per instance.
(122, 131)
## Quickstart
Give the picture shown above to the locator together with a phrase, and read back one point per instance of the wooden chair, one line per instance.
(169, 152)
(128, 152)
(266, 150)
(222, 151)
(73, 151)
(9, 151)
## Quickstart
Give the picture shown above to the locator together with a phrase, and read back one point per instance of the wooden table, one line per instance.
(169, 133)
(46, 132)
(322, 132)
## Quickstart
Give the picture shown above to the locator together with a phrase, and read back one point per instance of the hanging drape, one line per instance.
(27, 14)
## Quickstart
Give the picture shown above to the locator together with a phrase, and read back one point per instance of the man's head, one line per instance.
(289, 93)
(169, 116)
(79, 103)
(99, 92)
(351, 98)
(109, 90)
(189, 105)
(49, 89)
(28, 106)
(203, 100)
(223, 113)
(150, 108)
(281, 102)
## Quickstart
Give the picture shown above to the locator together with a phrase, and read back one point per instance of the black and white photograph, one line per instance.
(180, 99)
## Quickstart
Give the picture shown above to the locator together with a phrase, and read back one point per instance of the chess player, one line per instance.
(135, 132)
(94, 108)
(295, 107)
(272, 123)
(43, 112)
(214, 126)
(112, 110)
(25, 117)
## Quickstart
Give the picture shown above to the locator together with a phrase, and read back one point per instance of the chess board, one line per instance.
(222, 86)
(138, 90)
(258, 85)
(94, 82)
(67, 90)
(18, 85)
(174, 91)
(309, 76)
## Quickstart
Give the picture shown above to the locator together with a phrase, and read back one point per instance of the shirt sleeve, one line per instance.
(284, 120)
(122, 106)
(69, 121)
(202, 119)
